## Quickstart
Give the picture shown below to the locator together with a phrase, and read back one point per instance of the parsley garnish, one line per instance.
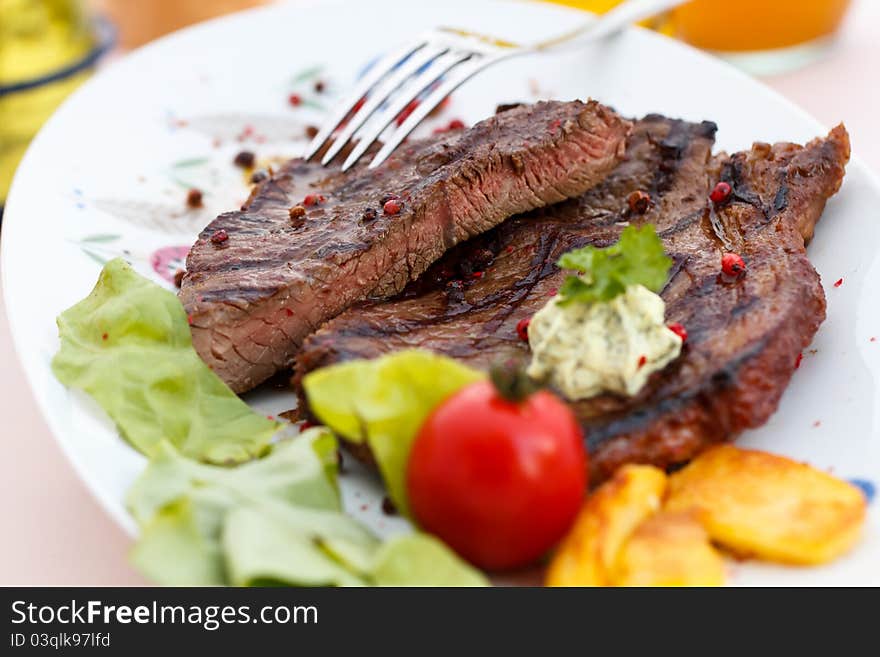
(636, 259)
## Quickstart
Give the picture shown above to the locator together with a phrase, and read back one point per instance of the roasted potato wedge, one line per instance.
(767, 506)
(587, 555)
(669, 549)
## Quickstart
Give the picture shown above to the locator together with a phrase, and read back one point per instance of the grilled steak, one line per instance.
(744, 335)
(260, 280)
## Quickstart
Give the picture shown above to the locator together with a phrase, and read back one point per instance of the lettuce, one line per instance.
(384, 402)
(176, 549)
(275, 520)
(301, 471)
(297, 547)
(421, 560)
(183, 506)
(128, 345)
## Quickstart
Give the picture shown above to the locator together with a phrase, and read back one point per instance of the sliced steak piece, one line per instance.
(260, 280)
(744, 336)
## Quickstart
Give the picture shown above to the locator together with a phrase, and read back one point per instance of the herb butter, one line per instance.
(584, 349)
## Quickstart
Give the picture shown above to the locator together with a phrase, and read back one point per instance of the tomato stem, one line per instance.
(512, 382)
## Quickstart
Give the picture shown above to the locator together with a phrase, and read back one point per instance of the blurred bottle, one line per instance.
(46, 50)
(762, 36)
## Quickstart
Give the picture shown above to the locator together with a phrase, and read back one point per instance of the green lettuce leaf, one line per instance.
(176, 550)
(294, 547)
(299, 471)
(421, 560)
(637, 258)
(275, 520)
(384, 402)
(128, 345)
(184, 509)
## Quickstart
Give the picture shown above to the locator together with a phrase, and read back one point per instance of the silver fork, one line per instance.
(434, 65)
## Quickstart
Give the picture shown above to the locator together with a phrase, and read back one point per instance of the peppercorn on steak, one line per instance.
(745, 322)
(311, 241)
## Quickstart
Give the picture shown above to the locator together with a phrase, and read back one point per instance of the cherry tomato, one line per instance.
(499, 481)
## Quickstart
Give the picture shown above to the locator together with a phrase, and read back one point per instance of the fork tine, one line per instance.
(409, 92)
(459, 76)
(386, 87)
(378, 71)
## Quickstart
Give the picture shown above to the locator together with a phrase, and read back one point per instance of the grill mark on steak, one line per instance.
(744, 336)
(253, 299)
(434, 314)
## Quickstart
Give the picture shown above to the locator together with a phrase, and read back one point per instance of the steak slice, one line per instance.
(256, 290)
(744, 336)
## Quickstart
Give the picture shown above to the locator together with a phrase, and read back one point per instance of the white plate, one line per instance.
(108, 175)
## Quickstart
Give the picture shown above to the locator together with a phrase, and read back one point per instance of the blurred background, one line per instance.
(49, 47)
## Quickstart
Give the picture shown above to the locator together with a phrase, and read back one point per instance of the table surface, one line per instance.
(55, 533)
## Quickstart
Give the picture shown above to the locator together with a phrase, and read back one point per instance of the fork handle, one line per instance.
(621, 16)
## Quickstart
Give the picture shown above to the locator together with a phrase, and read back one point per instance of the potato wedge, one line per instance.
(587, 555)
(669, 549)
(767, 506)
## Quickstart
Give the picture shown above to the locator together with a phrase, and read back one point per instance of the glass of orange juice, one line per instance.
(762, 36)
